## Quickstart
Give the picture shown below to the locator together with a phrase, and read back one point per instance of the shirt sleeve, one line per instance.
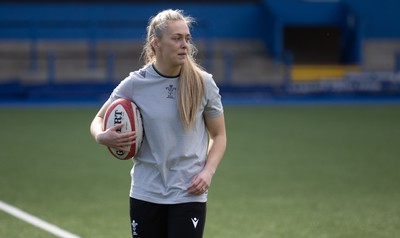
(213, 107)
(124, 89)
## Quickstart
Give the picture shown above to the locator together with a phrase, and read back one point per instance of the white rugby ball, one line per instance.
(126, 112)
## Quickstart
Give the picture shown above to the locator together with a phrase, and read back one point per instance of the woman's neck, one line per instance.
(167, 70)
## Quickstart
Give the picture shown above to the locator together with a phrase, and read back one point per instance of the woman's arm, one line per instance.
(216, 150)
(110, 137)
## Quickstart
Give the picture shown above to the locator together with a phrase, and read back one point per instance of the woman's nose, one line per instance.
(185, 44)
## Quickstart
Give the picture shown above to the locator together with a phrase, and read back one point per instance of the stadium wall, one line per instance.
(122, 21)
(264, 20)
(238, 19)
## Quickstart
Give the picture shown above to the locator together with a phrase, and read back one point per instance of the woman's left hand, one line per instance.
(201, 183)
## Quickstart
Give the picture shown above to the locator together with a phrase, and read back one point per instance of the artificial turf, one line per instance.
(288, 172)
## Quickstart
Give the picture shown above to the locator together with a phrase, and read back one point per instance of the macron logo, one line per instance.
(195, 221)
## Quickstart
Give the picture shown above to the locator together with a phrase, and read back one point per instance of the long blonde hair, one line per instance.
(191, 86)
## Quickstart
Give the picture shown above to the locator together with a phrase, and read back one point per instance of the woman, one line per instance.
(184, 127)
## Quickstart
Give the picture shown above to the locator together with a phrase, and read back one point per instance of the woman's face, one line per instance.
(173, 47)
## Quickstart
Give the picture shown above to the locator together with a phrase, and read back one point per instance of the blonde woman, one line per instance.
(185, 135)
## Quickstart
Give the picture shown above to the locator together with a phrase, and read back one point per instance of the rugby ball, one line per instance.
(126, 112)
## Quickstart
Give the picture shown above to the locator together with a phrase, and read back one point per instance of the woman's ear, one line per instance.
(155, 44)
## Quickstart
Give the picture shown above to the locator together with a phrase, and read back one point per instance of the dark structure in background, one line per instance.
(249, 45)
(314, 45)
(314, 25)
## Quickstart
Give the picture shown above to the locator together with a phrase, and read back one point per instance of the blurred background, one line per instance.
(254, 48)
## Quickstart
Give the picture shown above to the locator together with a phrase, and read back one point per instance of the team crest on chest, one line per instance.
(171, 91)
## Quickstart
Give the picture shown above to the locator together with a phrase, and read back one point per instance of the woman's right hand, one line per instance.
(114, 139)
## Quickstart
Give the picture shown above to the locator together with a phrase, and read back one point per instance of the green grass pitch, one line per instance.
(288, 172)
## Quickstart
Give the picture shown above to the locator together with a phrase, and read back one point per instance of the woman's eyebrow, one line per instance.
(180, 34)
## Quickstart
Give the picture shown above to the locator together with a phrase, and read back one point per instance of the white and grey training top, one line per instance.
(170, 157)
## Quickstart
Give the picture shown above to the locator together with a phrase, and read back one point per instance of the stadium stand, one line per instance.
(83, 49)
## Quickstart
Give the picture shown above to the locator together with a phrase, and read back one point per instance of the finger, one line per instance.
(199, 183)
(194, 186)
(127, 139)
(200, 190)
(126, 142)
(197, 187)
(196, 190)
(193, 190)
(123, 148)
(117, 127)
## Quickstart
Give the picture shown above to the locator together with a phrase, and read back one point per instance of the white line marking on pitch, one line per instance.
(36, 221)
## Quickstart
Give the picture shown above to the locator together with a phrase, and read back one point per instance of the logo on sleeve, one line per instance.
(142, 73)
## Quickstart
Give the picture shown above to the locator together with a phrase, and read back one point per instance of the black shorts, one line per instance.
(149, 220)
